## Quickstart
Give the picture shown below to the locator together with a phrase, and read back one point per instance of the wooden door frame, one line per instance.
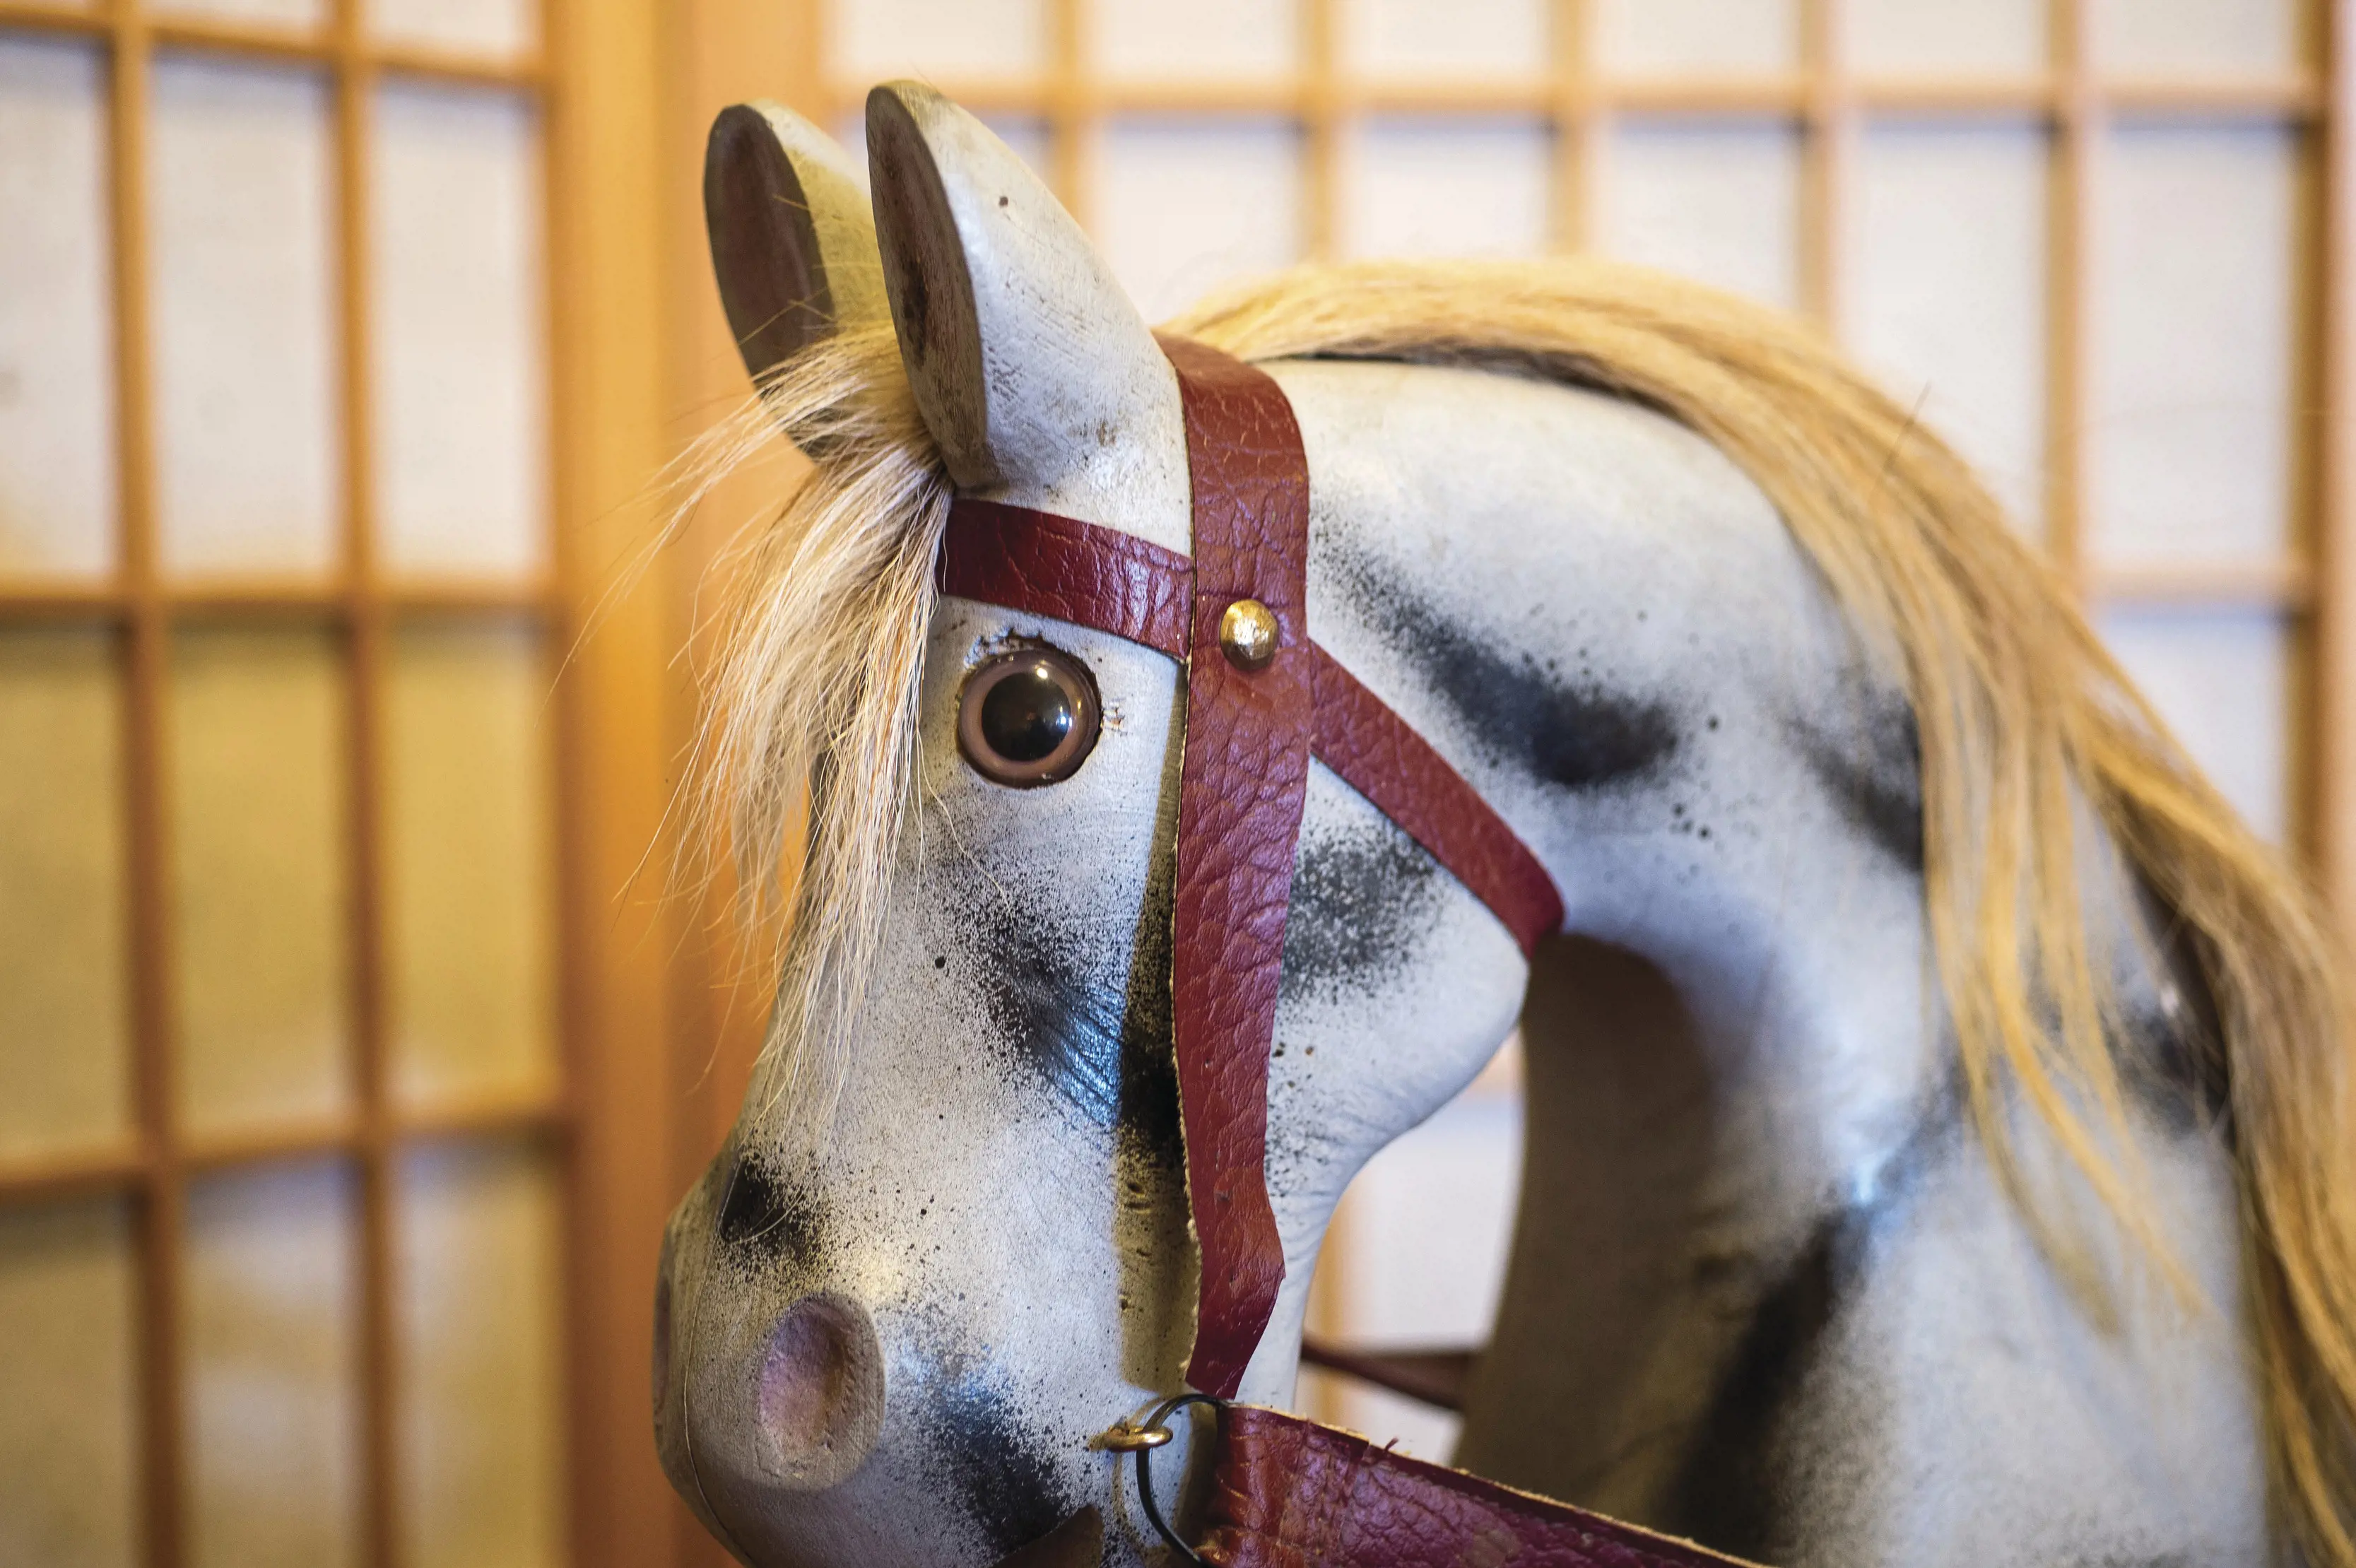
(616, 719)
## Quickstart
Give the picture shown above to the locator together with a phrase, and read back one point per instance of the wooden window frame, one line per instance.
(593, 82)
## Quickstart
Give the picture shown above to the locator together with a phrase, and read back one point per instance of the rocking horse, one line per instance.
(1939, 1116)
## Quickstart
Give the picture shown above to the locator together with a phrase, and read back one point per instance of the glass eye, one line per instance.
(1028, 718)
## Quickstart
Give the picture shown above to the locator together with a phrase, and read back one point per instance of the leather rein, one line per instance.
(1261, 700)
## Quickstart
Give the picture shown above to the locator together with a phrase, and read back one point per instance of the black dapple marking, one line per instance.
(1574, 734)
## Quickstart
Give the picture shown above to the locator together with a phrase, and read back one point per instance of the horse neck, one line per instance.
(1758, 1229)
(1767, 1280)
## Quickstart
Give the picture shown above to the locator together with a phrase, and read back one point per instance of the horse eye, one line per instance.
(1027, 718)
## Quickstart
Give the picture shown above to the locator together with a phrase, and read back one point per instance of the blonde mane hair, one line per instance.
(2021, 711)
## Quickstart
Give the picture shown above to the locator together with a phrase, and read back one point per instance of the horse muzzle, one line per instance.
(761, 1396)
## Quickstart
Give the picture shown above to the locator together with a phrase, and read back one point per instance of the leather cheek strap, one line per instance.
(1243, 777)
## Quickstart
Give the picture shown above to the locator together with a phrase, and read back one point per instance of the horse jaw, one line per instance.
(1000, 1201)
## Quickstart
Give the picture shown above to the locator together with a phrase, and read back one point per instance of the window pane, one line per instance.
(1152, 40)
(57, 367)
(1457, 186)
(1949, 290)
(500, 27)
(2195, 38)
(65, 1054)
(2219, 679)
(269, 13)
(1423, 1234)
(257, 781)
(467, 838)
(2191, 380)
(1422, 39)
(1939, 37)
(1185, 206)
(1704, 37)
(1715, 200)
(68, 1465)
(458, 334)
(477, 1316)
(248, 457)
(272, 1359)
(958, 40)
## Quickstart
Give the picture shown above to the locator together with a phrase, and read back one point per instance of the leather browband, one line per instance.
(1065, 570)
(1243, 777)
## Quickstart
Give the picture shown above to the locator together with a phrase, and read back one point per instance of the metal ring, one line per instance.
(1159, 1422)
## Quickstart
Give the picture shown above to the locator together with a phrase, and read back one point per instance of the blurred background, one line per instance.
(349, 1054)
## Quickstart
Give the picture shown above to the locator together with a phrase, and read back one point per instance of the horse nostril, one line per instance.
(821, 1396)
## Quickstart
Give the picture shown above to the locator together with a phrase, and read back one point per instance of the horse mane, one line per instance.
(2021, 712)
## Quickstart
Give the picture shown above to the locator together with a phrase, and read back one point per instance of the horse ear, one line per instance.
(1027, 360)
(792, 242)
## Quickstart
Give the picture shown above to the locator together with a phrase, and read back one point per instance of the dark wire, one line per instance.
(1161, 1418)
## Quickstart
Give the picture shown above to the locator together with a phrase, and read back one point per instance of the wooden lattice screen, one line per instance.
(326, 1206)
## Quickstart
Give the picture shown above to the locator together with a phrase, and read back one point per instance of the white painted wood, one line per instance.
(842, 221)
(248, 445)
(458, 332)
(1028, 136)
(57, 365)
(1040, 382)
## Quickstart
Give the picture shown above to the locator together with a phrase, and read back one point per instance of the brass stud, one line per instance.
(1248, 634)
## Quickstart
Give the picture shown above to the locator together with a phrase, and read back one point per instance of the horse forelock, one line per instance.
(2017, 711)
(801, 770)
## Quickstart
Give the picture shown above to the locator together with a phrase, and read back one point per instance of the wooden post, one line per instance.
(607, 182)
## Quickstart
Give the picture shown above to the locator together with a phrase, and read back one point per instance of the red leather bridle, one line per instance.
(1286, 1490)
